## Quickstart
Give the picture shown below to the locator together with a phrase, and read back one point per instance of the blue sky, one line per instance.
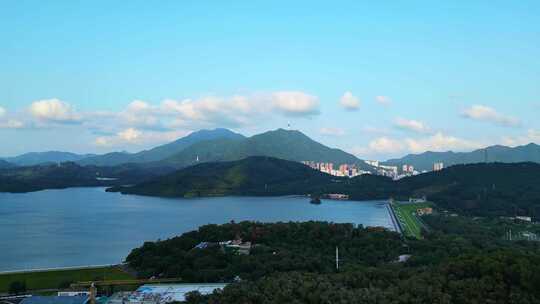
(97, 76)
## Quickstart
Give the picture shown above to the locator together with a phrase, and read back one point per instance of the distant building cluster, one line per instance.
(162, 294)
(347, 170)
(396, 172)
(236, 246)
(438, 166)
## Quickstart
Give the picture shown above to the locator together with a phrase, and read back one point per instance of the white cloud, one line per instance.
(383, 100)
(54, 110)
(11, 124)
(485, 113)
(440, 142)
(141, 122)
(232, 111)
(532, 136)
(295, 103)
(330, 131)
(7, 122)
(140, 114)
(349, 101)
(384, 146)
(132, 136)
(412, 125)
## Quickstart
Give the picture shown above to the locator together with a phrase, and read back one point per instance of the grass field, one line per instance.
(406, 215)
(54, 279)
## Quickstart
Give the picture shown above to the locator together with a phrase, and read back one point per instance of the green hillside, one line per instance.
(161, 152)
(4, 164)
(64, 175)
(424, 161)
(250, 176)
(284, 144)
(480, 189)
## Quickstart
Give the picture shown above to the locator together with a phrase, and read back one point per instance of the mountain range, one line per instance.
(225, 145)
(37, 158)
(503, 154)
(284, 144)
(161, 152)
(4, 164)
(208, 146)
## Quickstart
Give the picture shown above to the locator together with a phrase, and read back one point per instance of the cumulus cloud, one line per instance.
(132, 136)
(411, 125)
(532, 136)
(386, 145)
(440, 142)
(488, 114)
(140, 114)
(349, 102)
(142, 122)
(437, 142)
(11, 124)
(232, 111)
(383, 100)
(7, 122)
(54, 110)
(330, 131)
(295, 103)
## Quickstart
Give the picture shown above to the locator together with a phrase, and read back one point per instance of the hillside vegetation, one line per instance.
(285, 144)
(479, 189)
(4, 164)
(65, 175)
(251, 176)
(295, 263)
(162, 152)
(424, 161)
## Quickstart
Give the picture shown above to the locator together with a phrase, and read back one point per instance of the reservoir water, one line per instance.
(88, 226)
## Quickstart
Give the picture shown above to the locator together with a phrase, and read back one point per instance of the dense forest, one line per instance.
(461, 260)
(491, 189)
(69, 174)
(279, 247)
(256, 175)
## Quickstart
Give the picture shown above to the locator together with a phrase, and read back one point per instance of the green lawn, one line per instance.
(406, 214)
(54, 279)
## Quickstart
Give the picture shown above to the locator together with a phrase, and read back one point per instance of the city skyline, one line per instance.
(100, 77)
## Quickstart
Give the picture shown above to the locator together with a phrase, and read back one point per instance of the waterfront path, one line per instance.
(395, 221)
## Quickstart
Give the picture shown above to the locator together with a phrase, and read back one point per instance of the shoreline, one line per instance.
(393, 217)
(67, 268)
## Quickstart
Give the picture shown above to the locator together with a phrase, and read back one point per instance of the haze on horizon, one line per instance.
(378, 80)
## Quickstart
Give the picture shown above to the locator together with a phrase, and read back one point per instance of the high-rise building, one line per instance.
(438, 166)
(374, 163)
(408, 169)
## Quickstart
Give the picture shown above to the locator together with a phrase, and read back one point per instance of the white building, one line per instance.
(162, 293)
(438, 166)
(374, 163)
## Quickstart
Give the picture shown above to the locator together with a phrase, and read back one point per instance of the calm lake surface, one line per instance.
(88, 226)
